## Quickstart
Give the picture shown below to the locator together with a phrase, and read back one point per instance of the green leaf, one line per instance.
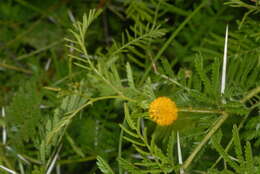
(128, 118)
(141, 151)
(74, 146)
(134, 141)
(143, 36)
(215, 76)
(129, 166)
(237, 144)
(129, 132)
(24, 115)
(167, 67)
(225, 155)
(203, 75)
(249, 158)
(130, 76)
(116, 77)
(103, 166)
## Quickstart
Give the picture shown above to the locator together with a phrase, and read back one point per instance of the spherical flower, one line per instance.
(163, 111)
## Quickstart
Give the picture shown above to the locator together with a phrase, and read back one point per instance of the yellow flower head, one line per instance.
(163, 111)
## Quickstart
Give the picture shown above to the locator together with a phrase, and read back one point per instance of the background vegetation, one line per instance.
(77, 78)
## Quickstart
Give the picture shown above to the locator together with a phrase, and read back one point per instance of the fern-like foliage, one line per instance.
(139, 11)
(71, 105)
(243, 162)
(102, 67)
(24, 115)
(252, 8)
(103, 166)
(142, 37)
(114, 76)
(251, 130)
(166, 49)
(149, 158)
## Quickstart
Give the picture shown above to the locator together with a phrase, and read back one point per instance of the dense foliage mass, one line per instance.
(78, 78)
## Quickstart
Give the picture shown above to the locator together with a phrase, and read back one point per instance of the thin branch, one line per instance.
(250, 94)
(198, 110)
(8, 170)
(205, 140)
(15, 68)
(81, 160)
(39, 50)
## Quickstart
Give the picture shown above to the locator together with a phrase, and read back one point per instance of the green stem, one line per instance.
(197, 110)
(93, 100)
(250, 94)
(89, 158)
(39, 50)
(205, 140)
(15, 68)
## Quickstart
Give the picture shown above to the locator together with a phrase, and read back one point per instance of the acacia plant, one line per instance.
(131, 108)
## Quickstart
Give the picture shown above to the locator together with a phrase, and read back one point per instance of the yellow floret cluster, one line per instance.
(163, 111)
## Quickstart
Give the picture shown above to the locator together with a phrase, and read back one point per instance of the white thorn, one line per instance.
(72, 18)
(23, 159)
(224, 67)
(18, 155)
(47, 65)
(53, 161)
(8, 170)
(52, 164)
(4, 134)
(179, 152)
